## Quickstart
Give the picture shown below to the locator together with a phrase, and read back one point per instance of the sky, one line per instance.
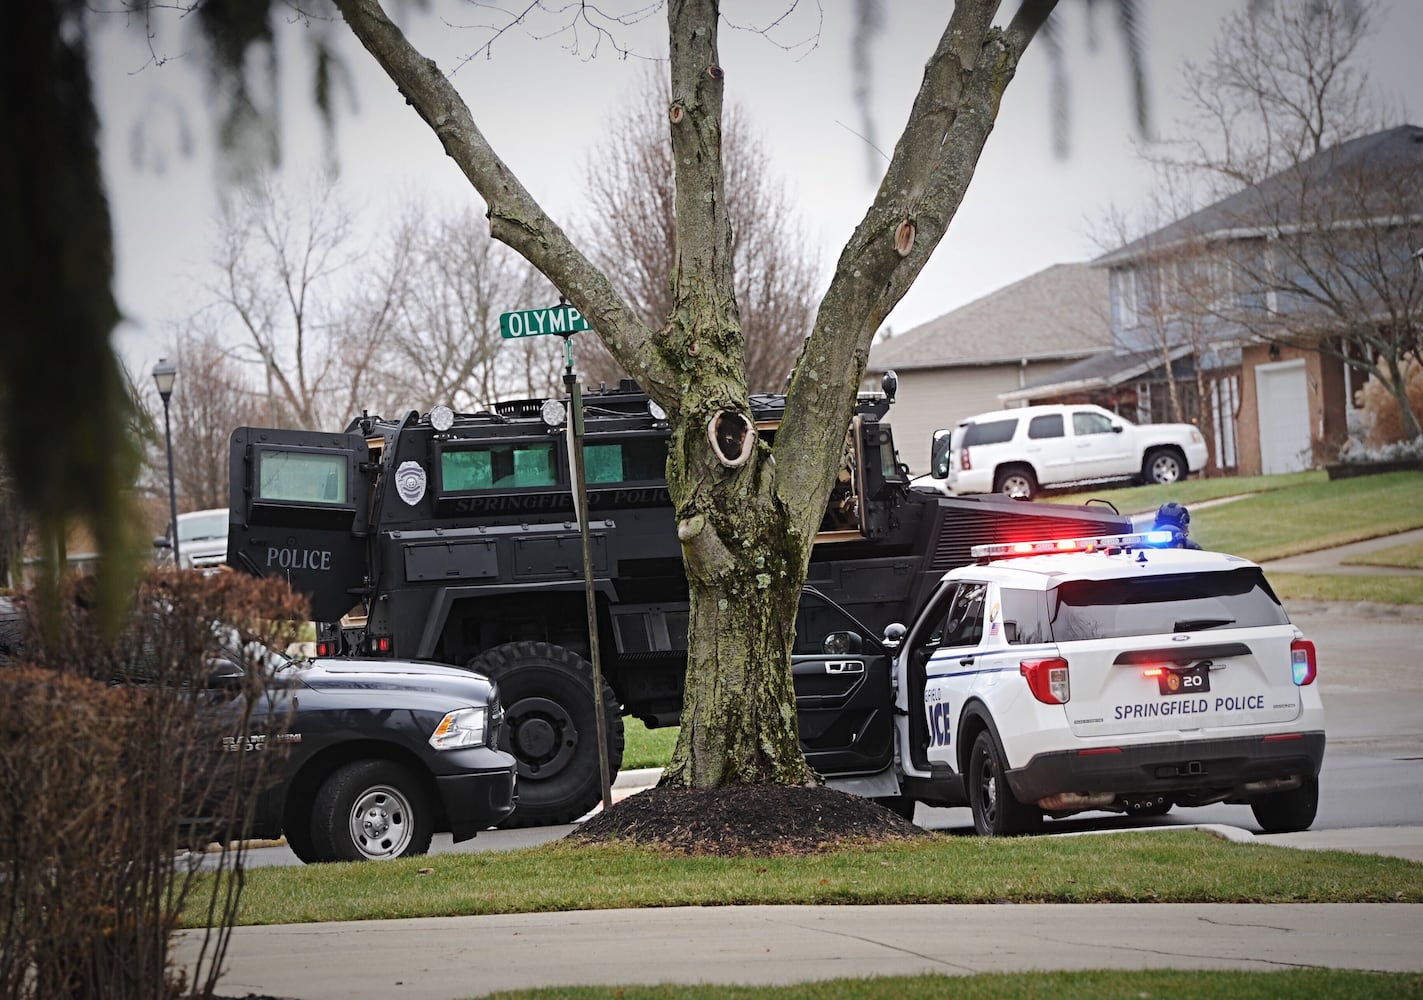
(545, 108)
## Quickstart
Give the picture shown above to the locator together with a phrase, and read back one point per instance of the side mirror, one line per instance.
(893, 635)
(162, 542)
(843, 643)
(225, 679)
(225, 675)
(1117, 428)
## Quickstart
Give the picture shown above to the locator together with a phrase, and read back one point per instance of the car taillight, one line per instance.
(964, 463)
(378, 644)
(325, 649)
(1303, 665)
(1047, 679)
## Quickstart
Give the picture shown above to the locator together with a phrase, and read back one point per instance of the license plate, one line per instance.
(1185, 680)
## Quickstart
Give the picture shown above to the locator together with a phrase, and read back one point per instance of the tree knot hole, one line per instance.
(904, 238)
(731, 438)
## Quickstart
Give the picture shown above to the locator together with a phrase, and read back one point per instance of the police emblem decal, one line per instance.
(410, 482)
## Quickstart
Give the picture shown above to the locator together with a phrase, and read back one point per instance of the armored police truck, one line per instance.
(452, 537)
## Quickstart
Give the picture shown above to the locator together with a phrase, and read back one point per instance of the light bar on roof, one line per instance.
(1098, 543)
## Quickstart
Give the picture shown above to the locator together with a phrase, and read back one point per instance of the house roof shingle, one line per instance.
(1058, 313)
(1282, 198)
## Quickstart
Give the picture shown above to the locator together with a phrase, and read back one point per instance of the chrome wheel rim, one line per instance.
(381, 823)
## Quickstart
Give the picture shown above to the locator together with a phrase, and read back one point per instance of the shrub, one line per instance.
(112, 781)
(1381, 410)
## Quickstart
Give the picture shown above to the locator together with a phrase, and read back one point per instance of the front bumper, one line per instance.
(1198, 768)
(475, 800)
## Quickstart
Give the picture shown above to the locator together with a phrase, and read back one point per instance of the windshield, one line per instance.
(206, 524)
(1163, 605)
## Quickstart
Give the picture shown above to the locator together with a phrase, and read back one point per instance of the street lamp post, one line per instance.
(165, 373)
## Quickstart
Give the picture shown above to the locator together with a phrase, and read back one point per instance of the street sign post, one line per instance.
(560, 319)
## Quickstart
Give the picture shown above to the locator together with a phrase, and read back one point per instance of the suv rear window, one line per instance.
(1163, 605)
(990, 432)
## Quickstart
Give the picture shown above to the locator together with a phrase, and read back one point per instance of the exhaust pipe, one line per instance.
(1071, 801)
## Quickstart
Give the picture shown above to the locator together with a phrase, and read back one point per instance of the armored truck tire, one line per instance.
(1290, 811)
(551, 728)
(996, 813)
(371, 810)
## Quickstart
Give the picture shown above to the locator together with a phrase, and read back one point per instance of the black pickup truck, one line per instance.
(373, 757)
(378, 756)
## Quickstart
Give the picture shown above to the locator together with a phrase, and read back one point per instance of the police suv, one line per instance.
(1117, 673)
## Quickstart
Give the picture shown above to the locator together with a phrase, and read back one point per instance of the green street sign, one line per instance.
(533, 322)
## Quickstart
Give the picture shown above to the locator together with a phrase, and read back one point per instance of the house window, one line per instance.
(1170, 290)
(1127, 312)
(1221, 274)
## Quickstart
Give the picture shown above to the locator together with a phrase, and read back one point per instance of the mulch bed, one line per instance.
(761, 820)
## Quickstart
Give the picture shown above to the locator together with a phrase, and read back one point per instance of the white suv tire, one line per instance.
(1017, 481)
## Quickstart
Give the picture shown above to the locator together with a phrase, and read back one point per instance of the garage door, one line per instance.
(1284, 417)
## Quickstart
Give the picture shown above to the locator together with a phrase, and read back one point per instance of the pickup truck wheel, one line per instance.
(1017, 481)
(371, 810)
(1287, 812)
(996, 813)
(297, 830)
(551, 729)
(1163, 465)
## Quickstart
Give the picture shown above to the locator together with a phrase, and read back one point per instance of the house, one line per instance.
(1273, 306)
(957, 365)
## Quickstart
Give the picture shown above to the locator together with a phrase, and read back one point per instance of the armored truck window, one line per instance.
(629, 461)
(303, 476)
(498, 467)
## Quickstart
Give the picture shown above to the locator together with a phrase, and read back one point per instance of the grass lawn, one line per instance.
(1298, 984)
(1272, 517)
(643, 747)
(1156, 866)
(1400, 556)
(1278, 516)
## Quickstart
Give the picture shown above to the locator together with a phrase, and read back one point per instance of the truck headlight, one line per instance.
(462, 728)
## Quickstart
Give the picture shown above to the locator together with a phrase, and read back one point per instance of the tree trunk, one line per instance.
(746, 511)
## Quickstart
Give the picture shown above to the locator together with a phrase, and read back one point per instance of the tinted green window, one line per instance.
(603, 463)
(631, 461)
(505, 466)
(302, 476)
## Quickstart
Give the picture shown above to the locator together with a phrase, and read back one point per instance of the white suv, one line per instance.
(1062, 676)
(202, 540)
(1019, 451)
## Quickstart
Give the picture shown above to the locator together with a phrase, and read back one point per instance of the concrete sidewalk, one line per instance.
(440, 959)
